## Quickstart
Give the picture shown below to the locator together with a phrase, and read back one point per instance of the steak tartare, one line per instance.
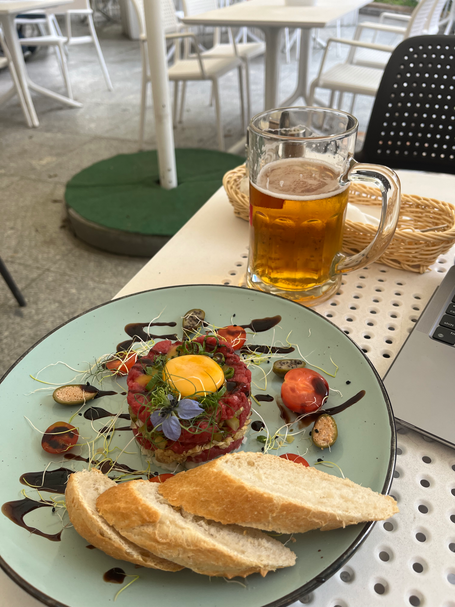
(174, 424)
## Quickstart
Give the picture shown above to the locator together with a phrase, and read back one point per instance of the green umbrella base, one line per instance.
(118, 205)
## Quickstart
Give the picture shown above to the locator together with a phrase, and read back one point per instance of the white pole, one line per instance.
(156, 44)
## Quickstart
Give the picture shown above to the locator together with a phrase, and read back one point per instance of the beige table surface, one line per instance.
(271, 16)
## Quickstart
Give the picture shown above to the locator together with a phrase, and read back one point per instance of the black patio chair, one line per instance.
(11, 284)
(412, 124)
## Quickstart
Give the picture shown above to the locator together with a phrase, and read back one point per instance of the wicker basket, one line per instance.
(426, 227)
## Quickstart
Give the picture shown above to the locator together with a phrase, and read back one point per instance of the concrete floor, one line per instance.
(60, 276)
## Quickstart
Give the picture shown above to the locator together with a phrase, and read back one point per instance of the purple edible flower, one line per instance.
(167, 416)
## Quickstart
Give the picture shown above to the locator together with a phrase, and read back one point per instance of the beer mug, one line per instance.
(300, 163)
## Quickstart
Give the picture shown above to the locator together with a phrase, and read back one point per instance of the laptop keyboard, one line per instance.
(445, 331)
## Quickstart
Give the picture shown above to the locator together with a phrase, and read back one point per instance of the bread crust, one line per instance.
(96, 531)
(214, 492)
(178, 538)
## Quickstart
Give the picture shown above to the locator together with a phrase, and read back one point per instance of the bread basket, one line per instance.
(426, 227)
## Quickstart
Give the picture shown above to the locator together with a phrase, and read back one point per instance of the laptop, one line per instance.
(421, 378)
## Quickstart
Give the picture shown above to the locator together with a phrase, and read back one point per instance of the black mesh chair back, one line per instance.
(412, 124)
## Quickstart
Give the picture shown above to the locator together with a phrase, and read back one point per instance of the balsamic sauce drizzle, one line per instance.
(53, 481)
(98, 413)
(115, 576)
(18, 509)
(268, 398)
(136, 332)
(312, 417)
(105, 466)
(258, 325)
(257, 425)
(266, 349)
(99, 393)
(351, 401)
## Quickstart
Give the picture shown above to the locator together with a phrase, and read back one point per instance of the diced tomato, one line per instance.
(304, 390)
(121, 363)
(293, 457)
(233, 335)
(161, 478)
(162, 347)
(59, 438)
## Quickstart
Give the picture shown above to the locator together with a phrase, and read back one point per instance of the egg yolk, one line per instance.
(193, 375)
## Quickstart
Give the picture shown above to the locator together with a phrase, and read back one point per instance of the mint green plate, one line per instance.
(66, 572)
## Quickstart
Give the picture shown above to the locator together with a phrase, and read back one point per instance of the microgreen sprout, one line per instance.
(235, 582)
(135, 578)
(330, 465)
(296, 346)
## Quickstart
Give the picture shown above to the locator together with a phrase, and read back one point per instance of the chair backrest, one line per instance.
(75, 5)
(194, 7)
(418, 23)
(432, 24)
(4, 61)
(412, 124)
(170, 21)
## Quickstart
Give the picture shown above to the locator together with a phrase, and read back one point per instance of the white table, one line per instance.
(271, 16)
(386, 559)
(8, 12)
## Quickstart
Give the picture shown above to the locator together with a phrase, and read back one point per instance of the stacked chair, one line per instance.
(362, 71)
(200, 67)
(16, 89)
(245, 50)
(60, 42)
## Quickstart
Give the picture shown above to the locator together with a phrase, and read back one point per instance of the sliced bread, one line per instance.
(82, 491)
(140, 514)
(274, 494)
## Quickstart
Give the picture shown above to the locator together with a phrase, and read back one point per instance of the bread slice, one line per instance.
(82, 491)
(138, 512)
(271, 493)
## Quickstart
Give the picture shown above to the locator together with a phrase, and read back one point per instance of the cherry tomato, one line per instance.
(160, 478)
(233, 335)
(59, 438)
(304, 390)
(121, 363)
(293, 457)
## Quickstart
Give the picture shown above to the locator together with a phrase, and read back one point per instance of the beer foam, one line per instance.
(298, 179)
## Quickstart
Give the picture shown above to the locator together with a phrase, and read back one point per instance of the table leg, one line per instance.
(10, 33)
(272, 66)
(301, 90)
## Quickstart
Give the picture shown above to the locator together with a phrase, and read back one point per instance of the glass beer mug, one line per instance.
(301, 162)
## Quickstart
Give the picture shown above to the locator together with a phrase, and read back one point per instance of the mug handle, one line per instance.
(389, 184)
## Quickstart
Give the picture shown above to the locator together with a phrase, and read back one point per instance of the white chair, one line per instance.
(362, 71)
(183, 70)
(60, 42)
(422, 21)
(245, 50)
(448, 17)
(6, 61)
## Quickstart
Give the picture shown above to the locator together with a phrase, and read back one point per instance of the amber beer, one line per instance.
(297, 210)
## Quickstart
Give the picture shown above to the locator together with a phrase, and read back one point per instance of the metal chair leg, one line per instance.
(219, 123)
(11, 284)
